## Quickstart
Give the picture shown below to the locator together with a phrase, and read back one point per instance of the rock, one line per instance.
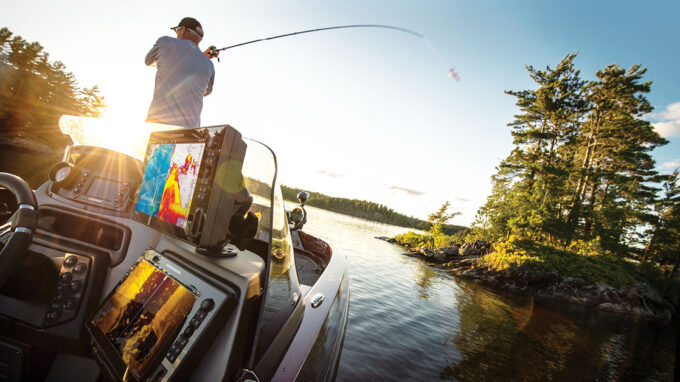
(647, 293)
(440, 255)
(468, 262)
(450, 251)
(425, 252)
(387, 239)
(611, 307)
(466, 249)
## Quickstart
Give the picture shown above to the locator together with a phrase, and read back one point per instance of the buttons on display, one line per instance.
(172, 357)
(189, 331)
(68, 305)
(75, 286)
(59, 296)
(195, 322)
(69, 291)
(207, 305)
(80, 268)
(52, 314)
(182, 341)
(70, 261)
(66, 277)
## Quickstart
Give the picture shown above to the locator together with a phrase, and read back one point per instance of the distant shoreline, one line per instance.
(363, 209)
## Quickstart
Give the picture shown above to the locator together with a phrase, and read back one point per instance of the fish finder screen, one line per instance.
(169, 181)
(143, 314)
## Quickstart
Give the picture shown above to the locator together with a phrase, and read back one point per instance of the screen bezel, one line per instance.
(112, 357)
(172, 137)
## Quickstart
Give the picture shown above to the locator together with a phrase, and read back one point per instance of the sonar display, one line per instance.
(143, 314)
(169, 181)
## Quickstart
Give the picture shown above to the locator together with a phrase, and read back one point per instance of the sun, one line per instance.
(119, 133)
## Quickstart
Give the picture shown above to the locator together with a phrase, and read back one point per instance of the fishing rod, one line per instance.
(214, 51)
(327, 28)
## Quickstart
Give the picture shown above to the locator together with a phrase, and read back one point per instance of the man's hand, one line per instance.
(212, 52)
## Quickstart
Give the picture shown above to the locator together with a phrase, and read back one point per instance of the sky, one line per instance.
(365, 113)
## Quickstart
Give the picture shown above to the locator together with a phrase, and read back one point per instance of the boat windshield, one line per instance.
(131, 139)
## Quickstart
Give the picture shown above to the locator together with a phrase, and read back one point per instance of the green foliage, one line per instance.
(366, 210)
(517, 253)
(428, 240)
(434, 237)
(35, 92)
(664, 245)
(439, 218)
(581, 175)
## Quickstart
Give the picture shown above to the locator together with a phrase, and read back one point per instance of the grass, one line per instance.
(583, 260)
(591, 267)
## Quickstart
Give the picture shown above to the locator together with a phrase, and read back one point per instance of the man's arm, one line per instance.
(152, 56)
(210, 84)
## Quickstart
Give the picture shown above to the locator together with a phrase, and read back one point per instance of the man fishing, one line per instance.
(184, 76)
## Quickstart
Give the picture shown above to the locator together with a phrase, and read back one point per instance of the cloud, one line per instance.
(672, 165)
(330, 174)
(461, 199)
(407, 191)
(667, 121)
(672, 112)
(668, 129)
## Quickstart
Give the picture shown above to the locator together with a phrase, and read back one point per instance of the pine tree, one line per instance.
(664, 245)
(610, 194)
(35, 92)
(529, 181)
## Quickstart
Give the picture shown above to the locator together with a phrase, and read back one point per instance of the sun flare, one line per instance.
(124, 135)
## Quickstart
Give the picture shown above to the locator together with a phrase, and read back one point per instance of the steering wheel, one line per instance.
(23, 223)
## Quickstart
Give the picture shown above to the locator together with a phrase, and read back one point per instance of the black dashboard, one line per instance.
(85, 246)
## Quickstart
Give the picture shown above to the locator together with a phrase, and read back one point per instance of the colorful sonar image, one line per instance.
(169, 181)
(142, 315)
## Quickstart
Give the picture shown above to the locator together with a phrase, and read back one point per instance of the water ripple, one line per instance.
(411, 322)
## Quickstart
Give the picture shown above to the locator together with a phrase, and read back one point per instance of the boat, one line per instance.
(178, 263)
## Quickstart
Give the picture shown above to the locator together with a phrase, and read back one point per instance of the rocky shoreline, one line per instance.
(637, 301)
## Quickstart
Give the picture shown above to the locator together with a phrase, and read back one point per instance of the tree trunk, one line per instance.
(675, 267)
(575, 212)
(588, 212)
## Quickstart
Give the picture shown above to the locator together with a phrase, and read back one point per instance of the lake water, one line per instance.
(410, 321)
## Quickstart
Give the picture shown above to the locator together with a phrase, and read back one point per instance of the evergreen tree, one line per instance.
(581, 166)
(35, 92)
(440, 217)
(611, 194)
(664, 245)
(530, 179)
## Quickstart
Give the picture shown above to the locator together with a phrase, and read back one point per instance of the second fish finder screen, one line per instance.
(169, 181)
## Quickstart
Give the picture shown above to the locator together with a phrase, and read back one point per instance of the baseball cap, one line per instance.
(190, 23)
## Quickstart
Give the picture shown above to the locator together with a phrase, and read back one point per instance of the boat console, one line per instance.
(133, 259)
(174, 265)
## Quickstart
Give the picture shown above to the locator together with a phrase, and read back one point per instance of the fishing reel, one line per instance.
(212, 52)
